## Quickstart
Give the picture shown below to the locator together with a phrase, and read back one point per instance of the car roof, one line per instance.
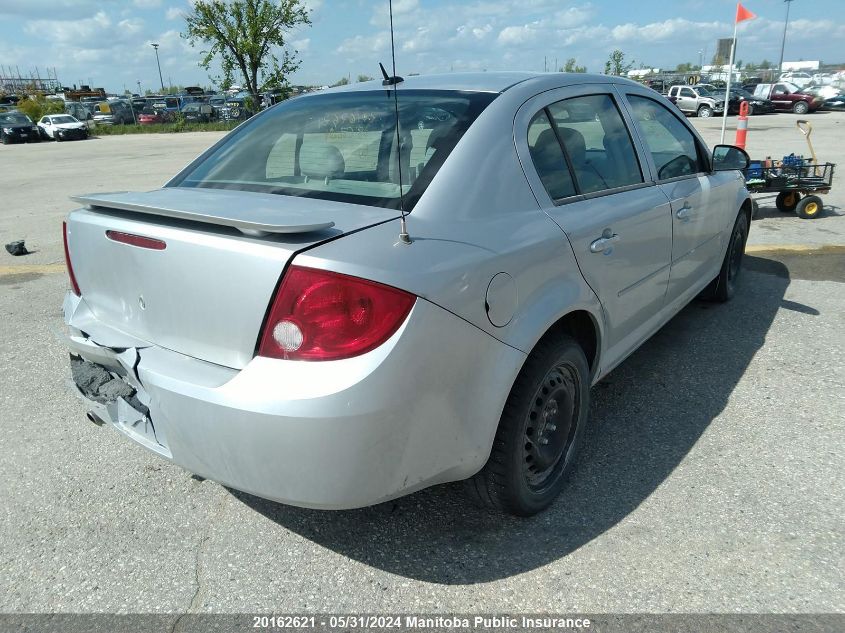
(480, 81)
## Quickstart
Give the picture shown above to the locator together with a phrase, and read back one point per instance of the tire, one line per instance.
(705, 112)
(810, 207)
(750, 110)
(723, 287)
(787, 201)
(800, 107)
(4, 139)
(539, 433)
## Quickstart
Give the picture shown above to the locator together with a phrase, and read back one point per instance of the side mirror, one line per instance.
(730, 157)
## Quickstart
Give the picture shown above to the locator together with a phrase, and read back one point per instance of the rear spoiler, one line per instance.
(250, 213)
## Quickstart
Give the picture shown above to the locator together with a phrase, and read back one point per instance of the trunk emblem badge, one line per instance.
(141, 302)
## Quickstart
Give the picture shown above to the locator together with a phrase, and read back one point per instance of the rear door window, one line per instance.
(597, 143)
(581, 145)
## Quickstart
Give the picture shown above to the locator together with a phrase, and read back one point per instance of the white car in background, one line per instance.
(800, 79)
(62, 127)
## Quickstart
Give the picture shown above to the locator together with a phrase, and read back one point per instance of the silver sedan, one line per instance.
(366, 291)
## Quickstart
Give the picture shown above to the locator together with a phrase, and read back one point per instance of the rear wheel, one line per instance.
(4, 139)
(787, 201)
(705, 112)
(539, 432)
(800, 107)
(750, 109)
(810, 207)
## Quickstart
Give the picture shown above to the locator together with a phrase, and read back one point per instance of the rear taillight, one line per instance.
(321, 315)
(74, 286)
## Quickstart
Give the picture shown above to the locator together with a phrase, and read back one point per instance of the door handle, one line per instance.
(684, 212)
(603, 242)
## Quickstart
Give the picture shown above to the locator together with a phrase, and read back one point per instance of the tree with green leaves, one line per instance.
(616, 65)
(244, 35)
(572, 67)
(364, 78)
(340, 82)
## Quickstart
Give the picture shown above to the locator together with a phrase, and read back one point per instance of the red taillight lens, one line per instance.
(74, 286)
(321, 315)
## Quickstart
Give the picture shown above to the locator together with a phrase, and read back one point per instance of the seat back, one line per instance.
(321, 160)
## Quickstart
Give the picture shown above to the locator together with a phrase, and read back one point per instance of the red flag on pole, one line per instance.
(742, 13)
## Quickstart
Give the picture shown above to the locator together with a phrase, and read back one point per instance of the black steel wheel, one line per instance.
(723, 287)
(539, 432)
(787, 201)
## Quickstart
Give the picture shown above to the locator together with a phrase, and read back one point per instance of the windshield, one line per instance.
(342, 146)
(14, 117)
(64, 119)
(704, 92)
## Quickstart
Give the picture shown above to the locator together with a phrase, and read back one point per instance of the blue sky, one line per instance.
(107, 41)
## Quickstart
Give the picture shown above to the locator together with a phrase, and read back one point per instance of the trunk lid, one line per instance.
(205, 294)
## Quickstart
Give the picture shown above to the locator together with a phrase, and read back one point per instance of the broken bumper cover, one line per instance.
(419, 410)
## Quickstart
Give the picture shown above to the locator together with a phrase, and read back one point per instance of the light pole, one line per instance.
(158, 63)
(783, 42)
(139, 88)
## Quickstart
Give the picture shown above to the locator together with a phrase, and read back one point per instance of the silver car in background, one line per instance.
(259, 322)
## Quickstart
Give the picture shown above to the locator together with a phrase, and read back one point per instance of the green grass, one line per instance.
(163, 128)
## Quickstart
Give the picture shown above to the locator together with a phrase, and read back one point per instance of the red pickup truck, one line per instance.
(788, 97)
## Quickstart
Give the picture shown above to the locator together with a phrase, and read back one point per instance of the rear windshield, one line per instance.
(342, 146)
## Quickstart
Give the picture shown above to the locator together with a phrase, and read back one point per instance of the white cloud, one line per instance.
(364, 45)
(480, 32)
(56, 9)
(301, 45)
(518, 35)
(147, 4)
(95, 32)
(573, 16)
(174, 13)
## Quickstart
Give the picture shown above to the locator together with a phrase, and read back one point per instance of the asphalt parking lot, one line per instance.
(712, 479)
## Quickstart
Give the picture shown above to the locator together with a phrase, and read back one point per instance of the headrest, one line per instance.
(321, 160)
(437, 136)
(546, 145)
(574, 142)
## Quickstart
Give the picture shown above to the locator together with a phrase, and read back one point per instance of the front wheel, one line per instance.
(4, 139)
(723, 287)
(750, 109)
(705, 112)
(810, 207)
(539, 432)
(800, 107)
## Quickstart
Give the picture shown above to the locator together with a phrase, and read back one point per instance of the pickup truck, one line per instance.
(696, 100)
(788, 97)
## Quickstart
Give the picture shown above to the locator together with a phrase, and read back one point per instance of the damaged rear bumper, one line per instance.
(417, 411)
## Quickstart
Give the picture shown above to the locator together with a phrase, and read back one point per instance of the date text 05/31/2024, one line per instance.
(418, 622)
